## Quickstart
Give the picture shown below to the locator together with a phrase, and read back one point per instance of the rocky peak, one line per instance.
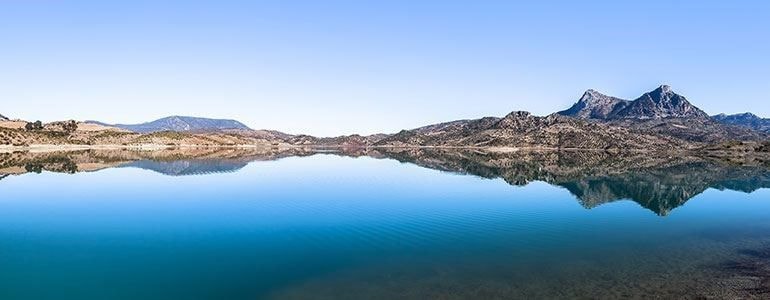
(662, 102)
(591, 95)
(664, 94)
(594, 105)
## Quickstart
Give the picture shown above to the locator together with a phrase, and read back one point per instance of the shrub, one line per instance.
(37, 125)
(69, 126)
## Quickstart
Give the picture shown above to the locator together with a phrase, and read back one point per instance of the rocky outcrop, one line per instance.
(61, 126)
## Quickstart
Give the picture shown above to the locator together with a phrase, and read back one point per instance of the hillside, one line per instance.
(694, 130)
(520, 129)
(54, 134)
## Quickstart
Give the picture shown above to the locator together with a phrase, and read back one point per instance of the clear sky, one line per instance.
(338, 67)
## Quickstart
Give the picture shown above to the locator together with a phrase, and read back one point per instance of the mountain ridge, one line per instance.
(659, 103)
(747, 119)
(180, 124)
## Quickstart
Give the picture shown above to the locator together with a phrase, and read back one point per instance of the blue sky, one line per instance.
(339, 67)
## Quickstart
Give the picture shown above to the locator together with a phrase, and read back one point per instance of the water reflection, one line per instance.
(659, 183)
(331, 227)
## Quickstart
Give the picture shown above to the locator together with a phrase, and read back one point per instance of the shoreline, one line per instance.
(143, 147)
(155, 147)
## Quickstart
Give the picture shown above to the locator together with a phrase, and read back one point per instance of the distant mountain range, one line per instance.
(180, 124)
(657, 120)
(747, 120)
(656, 115)
(3, 117)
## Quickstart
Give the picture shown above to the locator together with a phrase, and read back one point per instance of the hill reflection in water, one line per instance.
(659, 183)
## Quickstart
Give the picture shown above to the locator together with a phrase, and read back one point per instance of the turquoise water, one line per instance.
(339, 227)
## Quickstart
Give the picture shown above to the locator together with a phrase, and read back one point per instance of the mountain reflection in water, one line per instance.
(659, 183)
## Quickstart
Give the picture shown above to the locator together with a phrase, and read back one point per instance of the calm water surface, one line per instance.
(341, 227)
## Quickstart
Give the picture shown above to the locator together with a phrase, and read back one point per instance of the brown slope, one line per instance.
(521, 129)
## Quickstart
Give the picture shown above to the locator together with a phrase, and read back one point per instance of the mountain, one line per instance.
(521, 129)
(657, 120)
(181, 124)
(747, 120)
(660, 103)
(660, 112)
(3, 118)
(595, 105)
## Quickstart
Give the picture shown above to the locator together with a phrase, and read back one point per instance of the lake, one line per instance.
(381, 224)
